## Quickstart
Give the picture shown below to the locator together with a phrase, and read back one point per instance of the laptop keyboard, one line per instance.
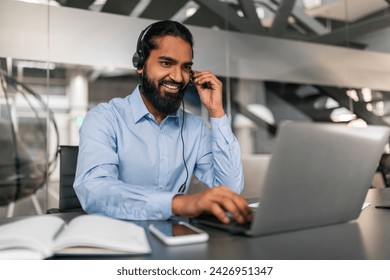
(232, 226)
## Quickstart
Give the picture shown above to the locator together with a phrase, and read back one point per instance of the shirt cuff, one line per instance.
(220, 127)
(160, 205)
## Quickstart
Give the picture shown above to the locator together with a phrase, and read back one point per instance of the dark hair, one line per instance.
(160, 29)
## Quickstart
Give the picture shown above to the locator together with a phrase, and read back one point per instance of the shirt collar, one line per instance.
(137, 105)
(139, 109)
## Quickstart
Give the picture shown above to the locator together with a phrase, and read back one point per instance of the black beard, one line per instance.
(166, 104)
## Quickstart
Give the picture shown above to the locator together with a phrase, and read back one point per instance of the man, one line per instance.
(137, 153)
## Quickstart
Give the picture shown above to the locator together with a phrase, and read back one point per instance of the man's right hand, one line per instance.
(216, 201)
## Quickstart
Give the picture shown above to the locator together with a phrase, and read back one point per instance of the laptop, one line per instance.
(319, 174)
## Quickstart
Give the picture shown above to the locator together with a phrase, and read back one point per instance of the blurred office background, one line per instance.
(305, 60)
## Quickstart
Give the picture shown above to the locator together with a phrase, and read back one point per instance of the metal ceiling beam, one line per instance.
(205, 18)
(354, 30)
(249, 10)
(161, 10)
(120, 7)
(359, 108)
(81, 4)
(280, 21)
(226, 12)
(309, 22)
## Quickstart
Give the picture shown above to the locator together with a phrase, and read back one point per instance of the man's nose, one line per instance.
(177, 75)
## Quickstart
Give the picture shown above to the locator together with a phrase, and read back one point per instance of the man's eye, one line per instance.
(166, 63)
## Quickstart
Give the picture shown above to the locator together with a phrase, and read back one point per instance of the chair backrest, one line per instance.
(68, 161)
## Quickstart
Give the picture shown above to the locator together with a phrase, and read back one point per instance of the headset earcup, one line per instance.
(138, 59)
(135, 60)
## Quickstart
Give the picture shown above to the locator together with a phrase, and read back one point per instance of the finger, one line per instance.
(205, 84)
(230, 206)
(215, 200)
(231, 202)
(219, 213)
(201, 78)
(236, 204)
(244, 209)
(211, 79)
(240, 209)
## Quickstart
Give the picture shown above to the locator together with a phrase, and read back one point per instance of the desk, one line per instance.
(366, 238)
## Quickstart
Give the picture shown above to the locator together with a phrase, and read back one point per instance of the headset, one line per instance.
(183, 186)
(191, 82)
(138, 62)
(139, 56)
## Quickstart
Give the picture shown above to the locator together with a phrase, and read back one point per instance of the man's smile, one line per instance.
(172, 87)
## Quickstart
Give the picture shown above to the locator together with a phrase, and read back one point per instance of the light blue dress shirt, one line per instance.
(130, 167)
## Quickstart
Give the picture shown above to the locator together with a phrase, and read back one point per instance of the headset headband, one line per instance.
(139, 56)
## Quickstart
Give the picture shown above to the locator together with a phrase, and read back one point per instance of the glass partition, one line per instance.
(306, 60)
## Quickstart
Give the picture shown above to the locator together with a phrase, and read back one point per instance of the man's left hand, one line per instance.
(210, 92)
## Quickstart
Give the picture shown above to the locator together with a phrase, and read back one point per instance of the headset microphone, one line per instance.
(191, 82)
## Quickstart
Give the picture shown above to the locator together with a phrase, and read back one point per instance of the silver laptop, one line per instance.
(319, 174)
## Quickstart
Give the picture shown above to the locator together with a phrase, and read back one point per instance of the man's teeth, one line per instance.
(170, 86)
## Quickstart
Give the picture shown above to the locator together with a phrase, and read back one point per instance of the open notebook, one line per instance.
(40, 237)
(319, 174)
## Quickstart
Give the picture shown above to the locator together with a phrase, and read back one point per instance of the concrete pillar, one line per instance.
(78, 102)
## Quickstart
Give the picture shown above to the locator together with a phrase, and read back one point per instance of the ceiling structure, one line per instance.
(335, 22)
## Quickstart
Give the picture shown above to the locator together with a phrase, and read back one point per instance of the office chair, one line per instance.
(68, 200)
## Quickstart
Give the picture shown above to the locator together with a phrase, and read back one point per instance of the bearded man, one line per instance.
(137, 153)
